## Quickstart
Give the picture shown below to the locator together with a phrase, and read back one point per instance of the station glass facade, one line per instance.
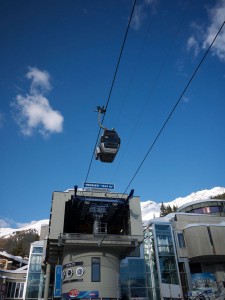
(35, 275)
(137, 279)
(160, 258)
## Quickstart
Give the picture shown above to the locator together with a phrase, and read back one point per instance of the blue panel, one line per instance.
(58, 281)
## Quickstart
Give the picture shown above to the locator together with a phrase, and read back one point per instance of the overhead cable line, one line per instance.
(112, 85)
(175, 106)
(154, 84)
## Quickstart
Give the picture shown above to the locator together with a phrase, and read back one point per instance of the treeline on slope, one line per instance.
(167, 209)
(19, 244)
(222, 196)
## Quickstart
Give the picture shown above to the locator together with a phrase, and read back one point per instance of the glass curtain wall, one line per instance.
(133, 279)
(138, 279)
(151, 264)
(160, 258)
(166, 254)
(35, 279)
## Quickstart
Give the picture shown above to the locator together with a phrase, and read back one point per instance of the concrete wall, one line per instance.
(57, 214)
(197, 241)
(217, 234)
(58, 210)
(13, 276)
(108, 285)
(81, 249)
(135, 216)
(184, 221)
(44, 232)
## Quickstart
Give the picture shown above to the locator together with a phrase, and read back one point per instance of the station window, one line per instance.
(181, 240)
(95, 269)
(14, 289)
(37, 250)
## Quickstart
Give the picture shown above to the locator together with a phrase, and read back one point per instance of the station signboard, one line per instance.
(96, 185)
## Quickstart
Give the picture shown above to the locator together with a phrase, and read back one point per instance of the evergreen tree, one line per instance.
(19, 244)
(222, 196)
(163, 210)
(167, 209)
(18, 250)
(175, 207)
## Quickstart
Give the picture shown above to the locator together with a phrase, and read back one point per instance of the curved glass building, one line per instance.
(209, 207)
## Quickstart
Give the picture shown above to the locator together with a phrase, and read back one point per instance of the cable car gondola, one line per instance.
(108, 146)
(109, 143)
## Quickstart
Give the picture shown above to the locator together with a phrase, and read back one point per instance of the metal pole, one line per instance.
(47, 281)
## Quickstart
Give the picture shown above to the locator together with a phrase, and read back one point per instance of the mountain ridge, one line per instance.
(151, 209)
(34, 225)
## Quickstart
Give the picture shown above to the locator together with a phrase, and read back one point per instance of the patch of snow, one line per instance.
(149, 210)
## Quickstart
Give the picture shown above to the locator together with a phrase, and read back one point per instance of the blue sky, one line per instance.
(58, 60)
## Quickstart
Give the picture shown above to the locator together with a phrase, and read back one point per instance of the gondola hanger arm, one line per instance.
(101, 110)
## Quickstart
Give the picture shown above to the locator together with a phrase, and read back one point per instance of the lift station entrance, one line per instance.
(90, 232)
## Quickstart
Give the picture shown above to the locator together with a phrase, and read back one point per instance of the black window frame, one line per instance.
(181, 240)
(95, 269)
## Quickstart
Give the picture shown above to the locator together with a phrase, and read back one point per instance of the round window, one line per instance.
(69, 273)
(79, 271)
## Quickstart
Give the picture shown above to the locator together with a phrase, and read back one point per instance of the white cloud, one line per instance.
(19, 224)
(138, 17)
(33, 111)
(4, 223)
(217, 15)
(40, 80)
(185, 99)
(8, 223)
(202, 40)
(153, 4)
(141, 12)
(192, 43)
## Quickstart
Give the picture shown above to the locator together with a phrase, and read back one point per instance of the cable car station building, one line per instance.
(90, 232)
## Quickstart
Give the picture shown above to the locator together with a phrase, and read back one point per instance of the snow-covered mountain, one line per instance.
(150, 210)
(35, 225)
